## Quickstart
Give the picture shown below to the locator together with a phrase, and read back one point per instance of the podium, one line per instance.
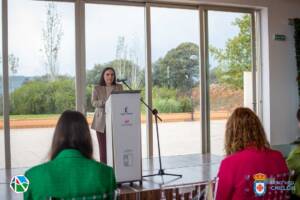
(123, 135)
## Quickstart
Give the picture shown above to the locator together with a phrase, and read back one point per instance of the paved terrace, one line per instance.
(30, 146)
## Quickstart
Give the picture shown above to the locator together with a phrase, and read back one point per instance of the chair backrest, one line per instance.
(106, 196)
(192, 191)
(211, 189)
(182, 191)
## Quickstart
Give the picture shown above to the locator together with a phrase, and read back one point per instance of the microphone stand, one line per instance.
(161, 171)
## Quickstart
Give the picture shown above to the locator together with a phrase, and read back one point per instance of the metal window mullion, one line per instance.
(204, 82)
(228, 9)
(168, 4)
(254, 63)
(80, 55)
(116, 2)
(72, 1)
(173, 4)
(258, 64)
(148, 77)
(176, 6)
(6, 104)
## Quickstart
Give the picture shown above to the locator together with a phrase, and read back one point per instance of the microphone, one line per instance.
(121, 79)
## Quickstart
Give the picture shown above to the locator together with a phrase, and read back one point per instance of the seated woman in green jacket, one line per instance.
(71, 172)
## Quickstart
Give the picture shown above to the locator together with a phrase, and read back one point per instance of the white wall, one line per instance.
(283, 73)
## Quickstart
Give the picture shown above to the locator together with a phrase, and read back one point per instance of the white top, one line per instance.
(108, 90)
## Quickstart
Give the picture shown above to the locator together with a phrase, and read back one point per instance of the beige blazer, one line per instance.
(98, 99)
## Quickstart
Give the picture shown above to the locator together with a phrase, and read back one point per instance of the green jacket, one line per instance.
(70, 175)
(293, 162)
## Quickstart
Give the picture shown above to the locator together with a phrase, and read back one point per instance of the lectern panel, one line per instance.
(124, 136)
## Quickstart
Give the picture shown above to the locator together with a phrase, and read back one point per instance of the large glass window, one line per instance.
(41, 75)
(175, 72)
(115, 37)
(42, 71)
(230, 70)
(2, 154)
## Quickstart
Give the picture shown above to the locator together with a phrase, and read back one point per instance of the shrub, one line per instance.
(167, 105)
(89, 107)
(43, 97)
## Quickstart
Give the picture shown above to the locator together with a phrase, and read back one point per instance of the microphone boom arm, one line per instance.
(153, 111)
(161, 171)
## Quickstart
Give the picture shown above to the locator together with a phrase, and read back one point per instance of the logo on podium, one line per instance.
(128, 158)
(125, 111)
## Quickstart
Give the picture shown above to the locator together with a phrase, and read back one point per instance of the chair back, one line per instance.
(106, 196)
(211, 189)
(194, 191)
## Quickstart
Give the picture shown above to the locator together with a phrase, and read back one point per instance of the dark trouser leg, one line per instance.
(102, 146)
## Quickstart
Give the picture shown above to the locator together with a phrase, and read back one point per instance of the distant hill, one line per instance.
(15, 82)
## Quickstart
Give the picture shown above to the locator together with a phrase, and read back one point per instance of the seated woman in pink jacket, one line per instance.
(251, 169)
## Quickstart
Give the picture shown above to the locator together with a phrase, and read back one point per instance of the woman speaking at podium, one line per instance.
(100, 94)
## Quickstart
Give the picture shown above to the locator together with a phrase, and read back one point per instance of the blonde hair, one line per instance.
(244, 128)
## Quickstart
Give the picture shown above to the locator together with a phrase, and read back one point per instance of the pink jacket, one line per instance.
(236, 172)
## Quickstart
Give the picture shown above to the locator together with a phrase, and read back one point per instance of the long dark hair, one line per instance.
(102, 81)
(72, 132)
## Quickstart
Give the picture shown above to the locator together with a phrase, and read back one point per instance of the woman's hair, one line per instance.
(72, 132)
(102, 81)
(244, 129)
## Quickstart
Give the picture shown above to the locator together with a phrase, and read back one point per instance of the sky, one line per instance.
(104, 25)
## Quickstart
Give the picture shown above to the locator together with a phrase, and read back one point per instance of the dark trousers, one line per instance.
(102, 146)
